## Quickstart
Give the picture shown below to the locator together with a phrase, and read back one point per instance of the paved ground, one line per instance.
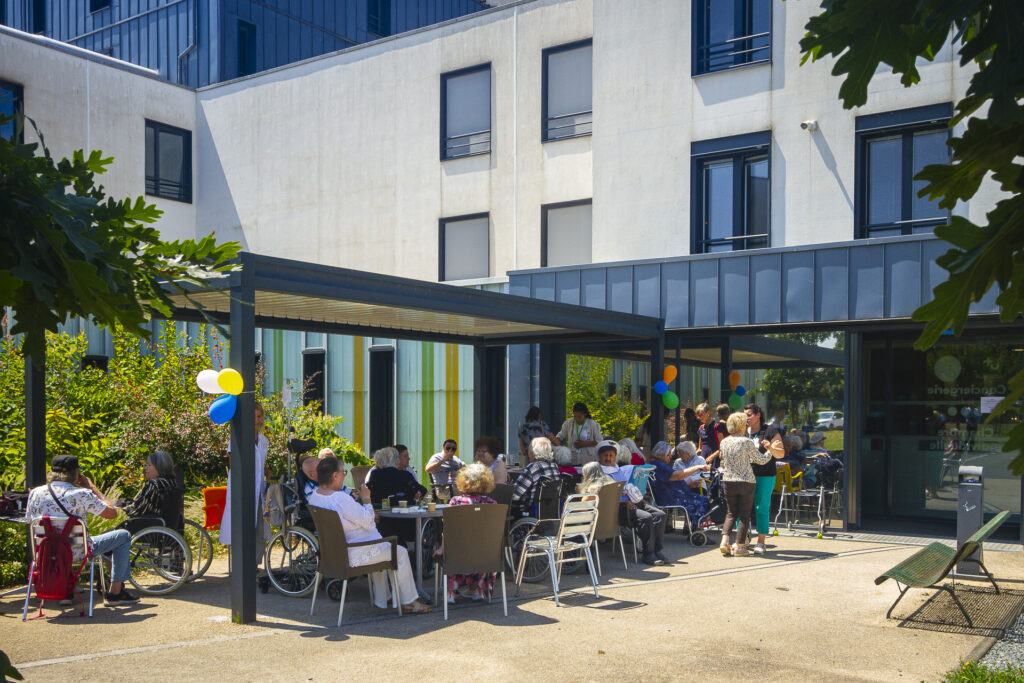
(808, 610)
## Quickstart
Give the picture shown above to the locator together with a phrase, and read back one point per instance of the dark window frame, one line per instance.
(544, 224)
(153, 185)
(378, 22)
(739, 149)
(904, 123)
(442, 223)
(245, 52)
(38, 16)
(98, 5)
(19, 108)
(445, 148)
(746, 55)
(545, 120)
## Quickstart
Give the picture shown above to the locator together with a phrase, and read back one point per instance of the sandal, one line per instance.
(416, 607)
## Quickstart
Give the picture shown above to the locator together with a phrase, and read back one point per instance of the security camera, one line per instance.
(809, 126)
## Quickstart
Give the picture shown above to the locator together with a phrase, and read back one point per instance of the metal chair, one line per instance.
(502, 494)
(333, 558)
(608, 521)
(79, 539)
(575, 533)
(474, 537)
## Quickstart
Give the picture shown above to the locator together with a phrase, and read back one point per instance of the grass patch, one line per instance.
(979, 673)
(834, 440)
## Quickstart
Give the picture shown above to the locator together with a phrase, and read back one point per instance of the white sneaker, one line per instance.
(759, 549)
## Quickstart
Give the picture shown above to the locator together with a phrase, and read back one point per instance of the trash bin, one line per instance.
(970, 513)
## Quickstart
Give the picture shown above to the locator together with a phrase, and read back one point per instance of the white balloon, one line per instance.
(207, 381)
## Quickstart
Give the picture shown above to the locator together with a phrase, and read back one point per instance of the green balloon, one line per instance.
(735, 402)
(670, 400)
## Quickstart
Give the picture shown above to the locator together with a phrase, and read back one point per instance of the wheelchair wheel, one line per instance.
(160, 561)
(698, 538)
(431, 538)
(334, 590)
(536, 568)
(201, 545)
(291, 561)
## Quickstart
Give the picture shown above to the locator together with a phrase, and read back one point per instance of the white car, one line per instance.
(829, 419)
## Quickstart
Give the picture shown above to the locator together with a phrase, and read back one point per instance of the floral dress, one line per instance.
(484, 583)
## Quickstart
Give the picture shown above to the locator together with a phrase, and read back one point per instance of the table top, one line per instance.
(412, 512)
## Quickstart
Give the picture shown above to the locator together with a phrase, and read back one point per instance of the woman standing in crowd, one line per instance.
(533, 427)
(581, 434)
(690, 425)
(738, 454)
(768, 440)
(710, 432)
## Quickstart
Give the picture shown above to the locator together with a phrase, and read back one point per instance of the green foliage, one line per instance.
(863, 34)
(789, 387)
(973, 672)
(586, 380)
(69, 250)
(148, 400)
(13, 569)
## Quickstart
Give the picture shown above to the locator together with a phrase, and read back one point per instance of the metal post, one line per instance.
(552, 384)
(657, 407)
(853, 383)
(243, 447)
(726, 387)
(35, 417)
(481, 393)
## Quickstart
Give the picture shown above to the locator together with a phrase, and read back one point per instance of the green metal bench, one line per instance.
(930, 565)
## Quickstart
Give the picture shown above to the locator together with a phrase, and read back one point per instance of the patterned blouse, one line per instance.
(150, 499)
(737, 454)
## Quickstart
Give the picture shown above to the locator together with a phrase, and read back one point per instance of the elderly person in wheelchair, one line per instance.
(158, 472)
(359, 523)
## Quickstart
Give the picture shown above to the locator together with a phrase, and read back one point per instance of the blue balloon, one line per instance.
(740, 390)
(223, 408)
(660, 387)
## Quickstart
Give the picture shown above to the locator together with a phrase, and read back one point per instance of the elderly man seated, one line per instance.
(690, 463)
(541, 467)
(648, 520)
(669, 486)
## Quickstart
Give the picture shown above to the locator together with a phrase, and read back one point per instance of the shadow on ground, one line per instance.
(991, 613)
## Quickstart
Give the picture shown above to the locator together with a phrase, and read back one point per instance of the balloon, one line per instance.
(660, 387)
(670, 400)
(740, 390)
(230, 381)
(223, 408)
(207, 381)
(669, 373)
(734, 379)
(735, 402)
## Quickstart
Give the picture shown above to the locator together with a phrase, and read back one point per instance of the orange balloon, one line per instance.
(734, 379)
(669, 374)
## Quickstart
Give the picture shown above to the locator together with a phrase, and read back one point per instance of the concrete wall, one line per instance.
(80, 100)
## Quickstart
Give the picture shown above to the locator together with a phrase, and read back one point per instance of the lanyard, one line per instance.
(579, 431)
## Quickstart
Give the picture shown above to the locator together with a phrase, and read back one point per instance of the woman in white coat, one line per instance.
(262, 530)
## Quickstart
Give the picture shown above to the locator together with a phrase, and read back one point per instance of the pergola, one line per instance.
(285, 294)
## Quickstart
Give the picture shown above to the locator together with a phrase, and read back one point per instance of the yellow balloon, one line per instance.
(669, 374)
(230, 381)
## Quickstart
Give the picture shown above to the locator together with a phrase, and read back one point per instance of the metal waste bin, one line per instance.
(970, 512)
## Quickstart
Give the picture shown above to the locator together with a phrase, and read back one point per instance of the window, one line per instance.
(466, 112)
(97, 5)
(730, 188)
(567, 95)
(891, 149)
(465, 248)
(730, 33)
(3, 13)
(12, 111)
(246, 48)
(378, 17)
(38, 16)
(314, 371)
(168, 162)
(565, 233)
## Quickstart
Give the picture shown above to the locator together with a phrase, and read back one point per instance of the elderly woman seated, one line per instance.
(793, 444)
(668, 486)
(485, 451)
(690, 463)
(357, 519)
(159, 475)
(593, 478)
(635, 458)
(396, 485)
(563, 456)
(474, 483)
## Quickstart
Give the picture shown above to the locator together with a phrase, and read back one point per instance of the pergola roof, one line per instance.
(294, 295)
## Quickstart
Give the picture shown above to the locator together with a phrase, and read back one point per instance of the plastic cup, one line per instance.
(403, 503)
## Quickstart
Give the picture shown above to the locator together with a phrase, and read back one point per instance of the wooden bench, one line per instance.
(930, 565)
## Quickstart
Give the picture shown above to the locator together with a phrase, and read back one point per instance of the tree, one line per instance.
(861, 35)
(789, 387)
(586, 380)
(69, 250)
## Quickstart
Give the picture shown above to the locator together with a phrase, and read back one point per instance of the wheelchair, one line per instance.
(160, 559)
(523, 521)
(290, 557)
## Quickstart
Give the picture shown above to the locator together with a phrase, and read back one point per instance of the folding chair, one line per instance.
(80, 552)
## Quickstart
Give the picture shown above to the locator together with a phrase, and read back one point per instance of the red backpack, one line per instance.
(54, 573)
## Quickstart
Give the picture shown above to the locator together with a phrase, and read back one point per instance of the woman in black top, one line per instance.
(768, 440)
(390, 482)
(159, 474)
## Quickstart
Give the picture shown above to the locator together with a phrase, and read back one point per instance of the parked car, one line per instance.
(829, 419)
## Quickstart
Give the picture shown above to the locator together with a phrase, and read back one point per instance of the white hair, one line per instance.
(661, 449)
(624, 456)
(385, 457)
(687, 447)
(563, 456)
(541, 449)
(630, 444)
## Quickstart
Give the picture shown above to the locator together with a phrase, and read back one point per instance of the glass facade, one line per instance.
(926, 414)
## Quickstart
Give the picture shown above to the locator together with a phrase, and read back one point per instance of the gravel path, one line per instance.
(1010, 650)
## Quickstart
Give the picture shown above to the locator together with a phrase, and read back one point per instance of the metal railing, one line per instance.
(569, 125)
(723, 54)
(468, 144)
